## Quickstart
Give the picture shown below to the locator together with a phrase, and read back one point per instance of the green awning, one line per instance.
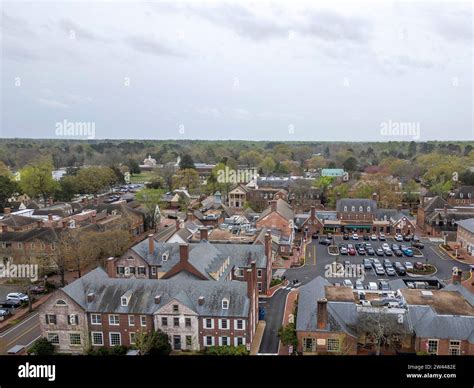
(357, 226)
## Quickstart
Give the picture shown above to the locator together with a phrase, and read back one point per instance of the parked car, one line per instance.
(4, 312)
(379, 252)
(17, 296)
(398, 252)
(366, 237)
(387, 263)
(416, 238)
(372, 286)
(384, 286)
(351, 250)
(373, 237)
(408, 265)
(355, 236)
(398, 237)
(36, 290)
(315, 236)
(367, 264)
(359, 285)
(418, 245)
(418, 265)
(379, 270)
(382, 237)
(325, 241)
(361, 251)
(370, 251)
(345, 236)
(375, 262)
(347, 283)
(388, 252)
(400, 269)
(385, 246)
(329, 236)
(390, 271)
(406, 251)
(10, 304)
(395, 247)
(407, 237)
(343, 249)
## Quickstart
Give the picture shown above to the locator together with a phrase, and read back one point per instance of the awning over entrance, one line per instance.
(357, 227)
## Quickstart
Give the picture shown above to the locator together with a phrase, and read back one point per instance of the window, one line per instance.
(187, 322)
(454, 348)
(239, 341)
(20, 245)
(96, 319)
(333, 345)
(239, 324)
(176, 322)
(114, 320)
(353, 208)
(433, 346)
(225, 304)
(51, 319)
(131, 270)
(259, 284)
(74, 339)
(143, 320)
(189, 342)
(368, 208)
(115, 339)
(153, 270)
(73, 319)
(124, 301)
(209, 323)
(223, 323)
(120, 270)
(309, 345)
(61, 302)
(259, 273)
(208, 340)
(164, 321)
(345, 208)
(97, 338)
(133, 338)
(175, 308)
(240, 272)
(224, 341)
(53, 338)
(131, 320)
(361, 209)
(141, 271)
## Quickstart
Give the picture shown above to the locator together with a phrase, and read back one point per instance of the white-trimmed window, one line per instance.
(153, 271)
(133, 338)
(224, 341)
(75, 339)
(187, 322)
(164, 321)
(114, 320)
(141, 270)
(433, 346)
(97, 338)
(73, 319)
(51, 319)
(53, 338)
(259, 273)
(224, 324)
(239, 341)
(209, 323)
(454, 348)
(142, 320)
(96, 319)
(239, 324)
(115, 339)
(225, 304)
(131, 320)
(208, 340)
(345, 208)
(333, 345)
(259, 285)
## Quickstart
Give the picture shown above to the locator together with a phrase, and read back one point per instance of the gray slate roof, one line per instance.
(467, 224)
(349, 202)
(108, 292)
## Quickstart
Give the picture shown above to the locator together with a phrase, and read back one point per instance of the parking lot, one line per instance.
(320, 262)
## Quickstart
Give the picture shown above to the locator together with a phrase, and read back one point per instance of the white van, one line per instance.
(372, 286)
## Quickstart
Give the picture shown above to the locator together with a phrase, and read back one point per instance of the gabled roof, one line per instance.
(467, 224)
(108, 291)
(282, 208)
(17, 221)
(436, 203)
(44, 234)
(394, 215)
(464, 192)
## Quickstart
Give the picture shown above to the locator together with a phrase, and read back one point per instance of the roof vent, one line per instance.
(201, 300)
(157, 299)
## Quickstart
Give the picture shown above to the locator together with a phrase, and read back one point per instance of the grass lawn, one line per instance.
(145, 176)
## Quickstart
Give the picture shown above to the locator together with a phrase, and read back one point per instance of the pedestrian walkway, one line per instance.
(288, 317)
(257, 339)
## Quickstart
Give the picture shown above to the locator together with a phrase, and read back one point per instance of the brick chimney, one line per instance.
(50, 217)
(190, 216)
(151, 244)
(157, 299)
(64, 222)
(94, 218)
(110, 267)
(178, 224)
(7, 210)
(4, 228)
(457, 275)
(204, 234)
(201, 300)
(322, 314)
(273, 205)
(183, 252)
(90, 297)
(313, 212)
(338, 195)
(374, 196)
(39, 223)
(268, 245)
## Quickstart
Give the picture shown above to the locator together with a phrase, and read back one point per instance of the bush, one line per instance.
(288, 336)
(154, 343)
(240, 350)
(275, 282)
(42, 347)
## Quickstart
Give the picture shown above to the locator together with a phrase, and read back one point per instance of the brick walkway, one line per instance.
(463, 256)
(257, 339)
(289, 309)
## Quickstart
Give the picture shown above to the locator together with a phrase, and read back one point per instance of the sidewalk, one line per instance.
(257, 339)
(287, 315)
(463, 255)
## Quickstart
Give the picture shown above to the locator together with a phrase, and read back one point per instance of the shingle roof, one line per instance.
(467, 224)
(108, 291)
(282, 208)
(436, 203)
(357, 202)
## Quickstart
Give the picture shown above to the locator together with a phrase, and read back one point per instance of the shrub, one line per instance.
(240, 350)
(42, 347)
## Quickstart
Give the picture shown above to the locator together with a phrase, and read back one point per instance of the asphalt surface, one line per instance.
(24, 333)
(316, 264)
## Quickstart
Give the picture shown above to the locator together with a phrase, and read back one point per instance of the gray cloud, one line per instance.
(149, 45)
(80, 32)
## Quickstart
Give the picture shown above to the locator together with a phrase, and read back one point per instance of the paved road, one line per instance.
(24, 333)
(317, 258)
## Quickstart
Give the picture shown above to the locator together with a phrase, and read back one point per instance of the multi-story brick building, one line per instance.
(98, 311)
(463, 196)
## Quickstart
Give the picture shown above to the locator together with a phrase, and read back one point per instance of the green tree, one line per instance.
(288, 336)
(7, 189)
(227, 351)
(350, 164)
(41, 347)
(133, 166)
(155, 343)
(37, 179)
(188, 178)
(186, 162)
(151, 199)
(267, 165)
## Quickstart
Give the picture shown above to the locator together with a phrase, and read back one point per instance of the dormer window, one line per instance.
(368, 208)
(469, 195)
(165, 256)
(461, 195)
(225, 304)
(176, 308)
(361, 209)
(125, 298)
(123, 301)
(353, 208)
(345, 208)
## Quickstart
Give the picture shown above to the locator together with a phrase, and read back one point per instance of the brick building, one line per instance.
(465, 235)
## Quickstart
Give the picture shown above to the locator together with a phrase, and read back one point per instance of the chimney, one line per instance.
(183, 252)
(268, 246)
(374, 196)
(64, 222)
(189, 216)
(50, 217)
(39, 223)
(201, 300)
(399, 207)
(151, 244)
(338, 195)
(204, 234)
(457, 275)
(313, 212)
(90, 297)
(4, 228)
(110, 267)
(322, 314)
(273, 205)
(7, 210)
(157, 299)
(94, 218)
(178, 224)
(96, 201)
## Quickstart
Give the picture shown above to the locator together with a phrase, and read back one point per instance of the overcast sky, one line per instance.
(238, 70)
